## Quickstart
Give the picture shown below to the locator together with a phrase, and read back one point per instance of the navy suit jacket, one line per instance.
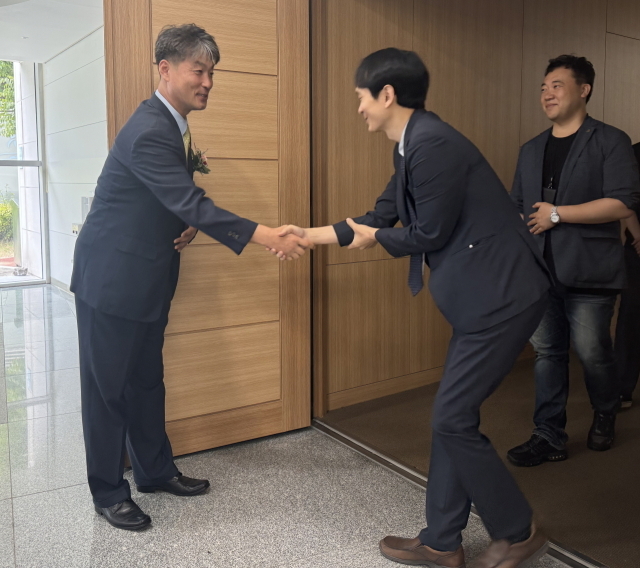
(600, 164)
(485, 267)
(125, 263)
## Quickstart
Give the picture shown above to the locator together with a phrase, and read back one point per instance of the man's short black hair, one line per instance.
(403, 70)
(581, 67)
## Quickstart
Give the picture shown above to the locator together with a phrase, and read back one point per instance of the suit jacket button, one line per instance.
(470, 246)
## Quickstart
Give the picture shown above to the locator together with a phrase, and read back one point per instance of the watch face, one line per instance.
(555, 217)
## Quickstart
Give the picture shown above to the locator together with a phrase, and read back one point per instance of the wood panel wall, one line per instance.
(238, 345)
(472, 67)
(487, 60)
(622, 92)
(577, 26)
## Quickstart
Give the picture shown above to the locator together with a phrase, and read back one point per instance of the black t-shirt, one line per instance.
(555, 156)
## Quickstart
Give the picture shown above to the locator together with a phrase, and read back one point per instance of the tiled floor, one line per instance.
(299, 500)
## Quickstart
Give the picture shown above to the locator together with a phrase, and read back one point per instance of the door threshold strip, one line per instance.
(557, 550)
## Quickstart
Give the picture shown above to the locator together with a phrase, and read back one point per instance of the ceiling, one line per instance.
(37, 30)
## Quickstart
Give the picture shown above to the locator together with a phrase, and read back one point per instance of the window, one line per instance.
(21, 234)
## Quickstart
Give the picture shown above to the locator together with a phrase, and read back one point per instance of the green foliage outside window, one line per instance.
(7, 100)
(6, 219)
(6, 223)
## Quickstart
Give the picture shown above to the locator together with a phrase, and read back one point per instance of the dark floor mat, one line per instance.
(590, 503)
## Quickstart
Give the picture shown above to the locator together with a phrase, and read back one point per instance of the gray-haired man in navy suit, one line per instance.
(146, 209)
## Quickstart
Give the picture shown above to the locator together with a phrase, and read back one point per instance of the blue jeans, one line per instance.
(585, 321)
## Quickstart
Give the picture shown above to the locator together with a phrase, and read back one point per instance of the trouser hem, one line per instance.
(114, 499)
(554, 442)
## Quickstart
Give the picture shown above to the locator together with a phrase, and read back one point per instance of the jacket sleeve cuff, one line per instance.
(384, 237)
(237, 240)
(344, 233)
(629, 200)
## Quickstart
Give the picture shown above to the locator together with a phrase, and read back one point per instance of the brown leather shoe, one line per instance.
(411, 551)
(503, 554)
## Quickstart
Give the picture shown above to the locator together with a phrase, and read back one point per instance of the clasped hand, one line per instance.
(185, 238)
(291, 243)
(541, 219)
(363, 238)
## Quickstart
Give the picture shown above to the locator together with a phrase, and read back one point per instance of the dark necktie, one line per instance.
(415, 263)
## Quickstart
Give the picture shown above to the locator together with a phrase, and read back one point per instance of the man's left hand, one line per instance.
(364, 236)
(185, 238)
(541, 219)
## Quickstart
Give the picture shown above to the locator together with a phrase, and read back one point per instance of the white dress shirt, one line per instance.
(401, 143)
(181, 120)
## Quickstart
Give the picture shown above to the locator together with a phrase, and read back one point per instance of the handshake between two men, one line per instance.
(290, 242)
(293, 241)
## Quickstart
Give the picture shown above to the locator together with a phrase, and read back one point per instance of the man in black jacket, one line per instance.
(628, 325)
(488, 279)
(573, 185)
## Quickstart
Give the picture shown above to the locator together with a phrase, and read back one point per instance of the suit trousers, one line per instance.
(464, 466)
(123, 397)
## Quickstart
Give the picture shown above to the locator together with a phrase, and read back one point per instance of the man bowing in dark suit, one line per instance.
(489, 281)
(145, 211)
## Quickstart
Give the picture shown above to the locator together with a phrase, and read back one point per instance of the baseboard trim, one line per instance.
(64, 287)
(557, 550)
(383, 388)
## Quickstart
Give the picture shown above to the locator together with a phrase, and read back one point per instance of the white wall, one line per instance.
(75, 111)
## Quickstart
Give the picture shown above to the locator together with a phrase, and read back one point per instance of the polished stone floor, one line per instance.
(299, 500)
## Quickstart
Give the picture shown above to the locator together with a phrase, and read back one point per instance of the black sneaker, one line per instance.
(625, 401)
(535, 451)
(602, 432)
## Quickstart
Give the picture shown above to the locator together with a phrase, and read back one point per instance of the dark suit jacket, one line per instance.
(600, 164)
(125, 263)
(485, 267)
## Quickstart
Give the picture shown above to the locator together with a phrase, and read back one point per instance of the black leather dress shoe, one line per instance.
(534, 452)
(180, 485)
(602, 432)
(125, 515)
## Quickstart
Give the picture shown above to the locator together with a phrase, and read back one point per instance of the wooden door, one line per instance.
(371, 338)
(237, 349)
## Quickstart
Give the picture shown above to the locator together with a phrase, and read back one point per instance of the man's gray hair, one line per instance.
(179, 43)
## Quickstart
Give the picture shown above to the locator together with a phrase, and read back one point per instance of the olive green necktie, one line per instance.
(186, 138)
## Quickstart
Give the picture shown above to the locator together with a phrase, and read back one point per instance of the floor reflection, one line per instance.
(40, 353)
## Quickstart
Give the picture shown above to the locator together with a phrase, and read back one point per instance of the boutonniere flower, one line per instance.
(199, 161)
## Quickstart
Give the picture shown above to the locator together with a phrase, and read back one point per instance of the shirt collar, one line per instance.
(181, 120)
(401, 143)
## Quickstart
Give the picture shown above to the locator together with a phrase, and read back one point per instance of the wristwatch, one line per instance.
(555, 218)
